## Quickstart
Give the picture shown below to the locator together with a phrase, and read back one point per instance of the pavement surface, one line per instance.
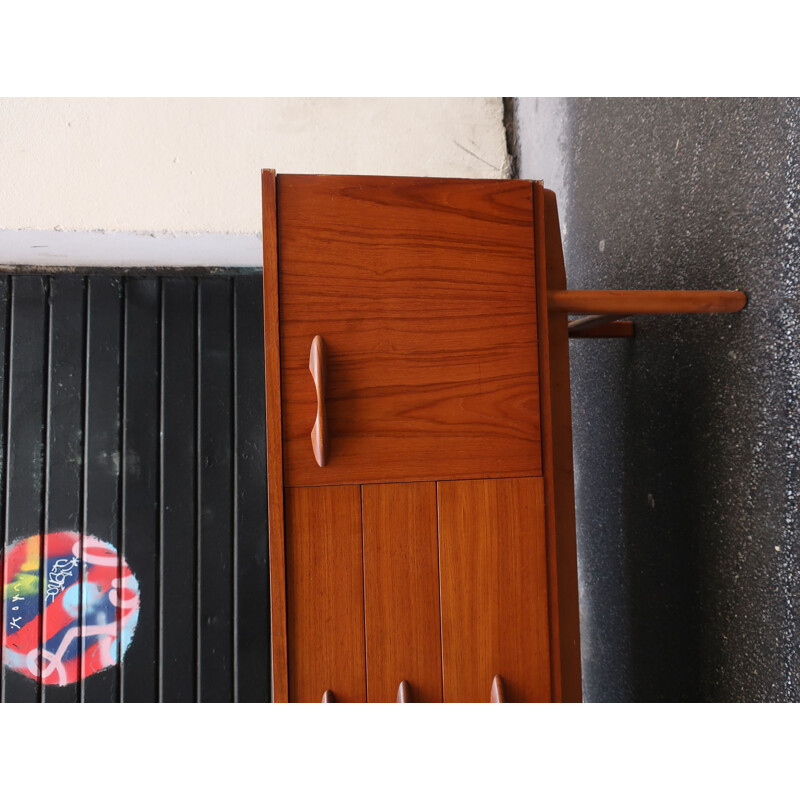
(686, 437)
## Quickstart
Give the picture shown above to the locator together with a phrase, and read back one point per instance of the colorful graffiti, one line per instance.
(71, 606)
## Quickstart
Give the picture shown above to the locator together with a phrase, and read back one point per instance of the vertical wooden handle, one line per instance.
(404, 692)
(498, 693)
(319, 433)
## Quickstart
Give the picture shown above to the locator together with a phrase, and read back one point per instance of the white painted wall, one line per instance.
(177, 181)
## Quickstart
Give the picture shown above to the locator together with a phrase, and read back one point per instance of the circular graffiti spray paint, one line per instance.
(81, 599)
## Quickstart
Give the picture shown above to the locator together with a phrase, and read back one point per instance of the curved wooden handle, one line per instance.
(319, 433)
(498, 693)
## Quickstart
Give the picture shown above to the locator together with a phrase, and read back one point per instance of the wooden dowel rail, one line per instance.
(592, 321)
(622, 303)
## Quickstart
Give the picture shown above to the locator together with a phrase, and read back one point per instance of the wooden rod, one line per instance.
(625, 303)
(592, 321)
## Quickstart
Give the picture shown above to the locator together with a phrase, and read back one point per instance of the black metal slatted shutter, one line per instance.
(133, 412)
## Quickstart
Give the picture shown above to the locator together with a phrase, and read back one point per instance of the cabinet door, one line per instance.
(325, 594)
(494, 589)
(423, 292)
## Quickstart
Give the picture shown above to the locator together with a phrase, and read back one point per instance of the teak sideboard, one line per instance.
(419, 444)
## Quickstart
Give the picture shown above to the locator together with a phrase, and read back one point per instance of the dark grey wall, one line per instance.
(686, 438)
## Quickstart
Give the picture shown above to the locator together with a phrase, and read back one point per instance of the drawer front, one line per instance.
(401, 591)
(325, 594)
(448, 589)
(423, 293)
(494, 589)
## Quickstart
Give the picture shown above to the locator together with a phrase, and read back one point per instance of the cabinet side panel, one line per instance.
(557, 454)
(272, 363)
(401, 579)
(494, 589)
(325, 596)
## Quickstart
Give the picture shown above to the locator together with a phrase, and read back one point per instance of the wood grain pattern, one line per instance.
(494, 589)
(557, 455)
(325, 596)
(424, 292)
(623, 303)
(401, 575)
(272, 360)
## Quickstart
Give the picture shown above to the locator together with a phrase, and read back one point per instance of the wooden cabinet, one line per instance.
(412, 539)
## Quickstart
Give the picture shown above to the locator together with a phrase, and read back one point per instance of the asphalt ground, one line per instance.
(686, 437)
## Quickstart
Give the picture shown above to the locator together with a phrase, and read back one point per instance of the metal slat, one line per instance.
(5, 348)
(252, 574)
(102, 486)
(25, 462)
(64, 452)
(177, 492)
(140, 479)
(215, 491)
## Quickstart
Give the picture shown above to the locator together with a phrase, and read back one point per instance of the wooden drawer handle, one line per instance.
(498, 693)
(328, 697)
(403, 692)
(319, 433)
